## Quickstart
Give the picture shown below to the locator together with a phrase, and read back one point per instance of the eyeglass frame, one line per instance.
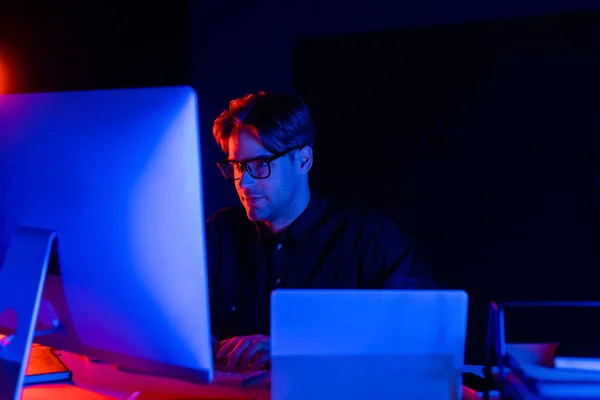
(244, 164)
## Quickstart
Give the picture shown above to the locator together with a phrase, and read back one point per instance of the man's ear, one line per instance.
(305, 159)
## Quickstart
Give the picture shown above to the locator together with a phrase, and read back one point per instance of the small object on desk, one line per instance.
(94, 360)
(45, 366)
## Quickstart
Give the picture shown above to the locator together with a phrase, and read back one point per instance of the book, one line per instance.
(532, 365)
(578, 357)
(45, 366)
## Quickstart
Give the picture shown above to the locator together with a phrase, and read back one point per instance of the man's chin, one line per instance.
(256, 214)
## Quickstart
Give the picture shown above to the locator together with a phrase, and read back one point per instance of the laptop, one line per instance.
(367, 344)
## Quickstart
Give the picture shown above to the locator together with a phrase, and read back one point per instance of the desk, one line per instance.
(96, 381)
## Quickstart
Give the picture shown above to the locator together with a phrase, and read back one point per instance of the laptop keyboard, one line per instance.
(226, 376)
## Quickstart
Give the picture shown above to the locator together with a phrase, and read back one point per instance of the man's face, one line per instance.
(265, 200)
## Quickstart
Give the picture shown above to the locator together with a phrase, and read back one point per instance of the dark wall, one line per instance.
(243, 46)
(476, 204)
(480, 138)
(78, 45)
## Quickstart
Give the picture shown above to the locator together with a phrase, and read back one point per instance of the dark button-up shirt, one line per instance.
(329, 246)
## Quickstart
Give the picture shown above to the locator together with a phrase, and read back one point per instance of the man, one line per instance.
(284, 236)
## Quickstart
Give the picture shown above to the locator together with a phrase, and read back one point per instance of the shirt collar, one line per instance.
(306, 222)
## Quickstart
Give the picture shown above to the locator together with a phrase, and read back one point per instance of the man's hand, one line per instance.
(246, 352)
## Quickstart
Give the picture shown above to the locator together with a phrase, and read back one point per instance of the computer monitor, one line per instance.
(116, 174)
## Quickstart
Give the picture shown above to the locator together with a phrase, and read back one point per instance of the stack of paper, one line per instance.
(534, 376)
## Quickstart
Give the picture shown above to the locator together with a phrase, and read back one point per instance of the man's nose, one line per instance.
(246, 179)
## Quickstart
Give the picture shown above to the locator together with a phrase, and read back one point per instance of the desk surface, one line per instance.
(97, 381)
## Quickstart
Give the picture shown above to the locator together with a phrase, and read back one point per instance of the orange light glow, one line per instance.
(3, 78)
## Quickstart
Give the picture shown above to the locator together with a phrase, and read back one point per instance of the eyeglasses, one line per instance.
(258, 167)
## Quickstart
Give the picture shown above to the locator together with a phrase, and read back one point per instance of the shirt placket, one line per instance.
(279, 265)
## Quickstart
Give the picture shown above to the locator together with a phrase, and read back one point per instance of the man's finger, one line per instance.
(250, 353)
(260, 361)
(227, 346)
(234, 356)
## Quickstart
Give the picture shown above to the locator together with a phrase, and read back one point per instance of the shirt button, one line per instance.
(278, 280)
(279, 246)
(232, 308)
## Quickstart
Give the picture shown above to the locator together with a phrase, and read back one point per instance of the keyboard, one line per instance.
(236, 378)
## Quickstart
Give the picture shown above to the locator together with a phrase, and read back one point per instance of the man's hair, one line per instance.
(282, 121)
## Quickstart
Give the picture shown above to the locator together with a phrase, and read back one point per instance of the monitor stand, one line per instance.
(22, 279)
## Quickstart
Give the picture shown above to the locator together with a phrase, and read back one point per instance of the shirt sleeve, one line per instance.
(390, 261)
